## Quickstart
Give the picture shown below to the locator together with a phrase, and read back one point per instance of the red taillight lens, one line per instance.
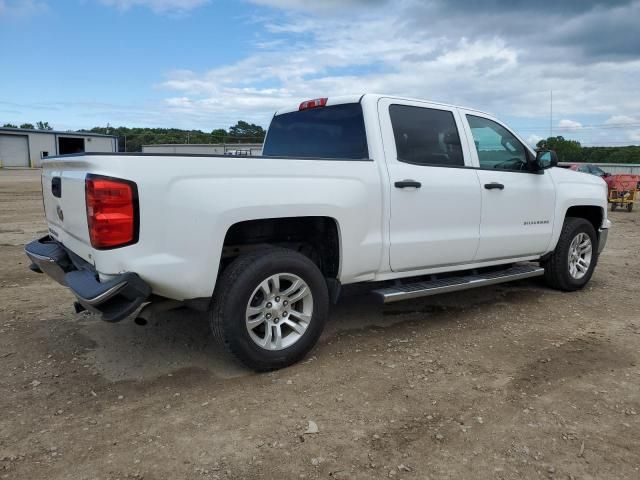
(318, 102)
(112, 211)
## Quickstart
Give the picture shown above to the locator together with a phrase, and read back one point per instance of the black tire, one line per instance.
(234, 290)
(613, 207)
(629, 207)
(556, 268)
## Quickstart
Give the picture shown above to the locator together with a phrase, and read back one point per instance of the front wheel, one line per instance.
(270, 307)
(572, 263)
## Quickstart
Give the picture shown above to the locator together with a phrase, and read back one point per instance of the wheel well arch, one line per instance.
(317, 237)
(592, 213)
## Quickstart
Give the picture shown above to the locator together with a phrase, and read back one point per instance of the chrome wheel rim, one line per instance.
(580, 254)
(279, 311)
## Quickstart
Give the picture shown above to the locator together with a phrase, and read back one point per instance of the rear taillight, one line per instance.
(315, 103)
(112, 211)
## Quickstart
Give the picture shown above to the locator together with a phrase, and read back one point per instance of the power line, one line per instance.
(592, 144)
(582, 127)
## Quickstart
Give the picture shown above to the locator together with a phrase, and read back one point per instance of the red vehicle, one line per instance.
(617, 181)
(623, 191)
(588, 168)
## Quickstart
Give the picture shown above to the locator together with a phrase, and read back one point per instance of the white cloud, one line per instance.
(626, 126)
(620, 120)
(179, 102)
(533, 139)
(21, 8)
(309, 56)
(332, 6)
(493, 51)
(500, 62)
(569, 124)
(413, 65)
(174, 7)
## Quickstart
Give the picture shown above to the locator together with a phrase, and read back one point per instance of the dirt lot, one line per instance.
(514, 381)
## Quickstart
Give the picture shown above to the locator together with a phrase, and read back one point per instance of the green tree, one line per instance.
(219, 135)
(566, 150)
(629, 154)
(572, 151)
(243, 132)
(43, 126)
(9, 125)
(27, 125)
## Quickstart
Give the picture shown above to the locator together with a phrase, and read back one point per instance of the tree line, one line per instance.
(30, 126)
(132, 139)
(572, 151)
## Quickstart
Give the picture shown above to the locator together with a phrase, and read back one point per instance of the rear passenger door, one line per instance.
(434, 194)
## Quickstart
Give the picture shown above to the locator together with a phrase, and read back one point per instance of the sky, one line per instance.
(205, 64)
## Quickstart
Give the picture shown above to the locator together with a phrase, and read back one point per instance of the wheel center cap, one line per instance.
(276, 308)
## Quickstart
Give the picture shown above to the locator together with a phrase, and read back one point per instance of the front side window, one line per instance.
(425, 136)
(497, 147)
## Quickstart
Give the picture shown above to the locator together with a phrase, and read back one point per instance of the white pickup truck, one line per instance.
(413, 197)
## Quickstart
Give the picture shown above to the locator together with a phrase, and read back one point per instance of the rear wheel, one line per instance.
(571, 265)
(629, 207)
(613, 207)
(270, 307)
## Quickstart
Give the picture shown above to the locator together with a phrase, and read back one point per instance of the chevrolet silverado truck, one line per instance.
(411, 197)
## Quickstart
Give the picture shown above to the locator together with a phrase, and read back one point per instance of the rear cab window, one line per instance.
(335, 132)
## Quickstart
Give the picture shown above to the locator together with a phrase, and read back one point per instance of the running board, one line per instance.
(454, 284)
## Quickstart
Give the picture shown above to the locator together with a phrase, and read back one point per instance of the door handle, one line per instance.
(56, 187)
(407, 184)
(494, 185)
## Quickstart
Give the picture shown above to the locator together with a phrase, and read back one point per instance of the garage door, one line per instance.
(14, 151)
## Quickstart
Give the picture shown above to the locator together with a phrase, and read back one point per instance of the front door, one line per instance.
(517, 205)
(434, 191)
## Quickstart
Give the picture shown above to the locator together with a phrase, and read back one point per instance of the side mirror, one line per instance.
(546, 159)
(606, 174)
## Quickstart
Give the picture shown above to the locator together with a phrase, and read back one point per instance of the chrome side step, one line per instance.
(454, 284)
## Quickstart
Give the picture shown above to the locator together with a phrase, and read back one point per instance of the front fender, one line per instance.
(576, 189)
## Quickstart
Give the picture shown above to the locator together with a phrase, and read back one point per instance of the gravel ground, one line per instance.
(512, 381)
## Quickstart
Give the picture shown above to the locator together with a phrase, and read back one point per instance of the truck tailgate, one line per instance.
(63, 191)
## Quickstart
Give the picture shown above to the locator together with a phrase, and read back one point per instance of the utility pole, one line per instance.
(551, 116)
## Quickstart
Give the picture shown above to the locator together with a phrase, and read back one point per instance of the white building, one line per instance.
(20, 147)
(205, 149)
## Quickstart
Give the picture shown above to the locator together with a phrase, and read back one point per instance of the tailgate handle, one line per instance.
(56, 187)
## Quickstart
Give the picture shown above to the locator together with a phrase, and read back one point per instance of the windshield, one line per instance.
(326, 132)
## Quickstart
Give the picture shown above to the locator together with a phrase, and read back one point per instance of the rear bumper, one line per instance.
(114, 299)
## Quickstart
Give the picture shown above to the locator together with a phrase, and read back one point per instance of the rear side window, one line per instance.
(326, 132)
(425, 136)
